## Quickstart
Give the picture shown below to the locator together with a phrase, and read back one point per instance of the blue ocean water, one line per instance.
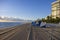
(9, 24)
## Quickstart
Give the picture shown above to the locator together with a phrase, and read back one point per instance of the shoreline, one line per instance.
(4, 27)
(7, 28)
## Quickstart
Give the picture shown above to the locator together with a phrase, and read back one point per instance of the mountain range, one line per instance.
(12, 19)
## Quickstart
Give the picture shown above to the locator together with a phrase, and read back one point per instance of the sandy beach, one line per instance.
(28, 32)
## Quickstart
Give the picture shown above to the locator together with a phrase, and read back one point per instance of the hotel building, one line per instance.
(56, 9)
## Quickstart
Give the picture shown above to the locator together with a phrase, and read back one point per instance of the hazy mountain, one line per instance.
(12, 19)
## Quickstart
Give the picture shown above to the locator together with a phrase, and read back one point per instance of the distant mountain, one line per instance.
(12, 19)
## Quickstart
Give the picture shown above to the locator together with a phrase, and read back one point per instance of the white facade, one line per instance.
(56, 9)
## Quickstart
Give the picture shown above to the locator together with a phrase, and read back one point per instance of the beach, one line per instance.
(29, 32)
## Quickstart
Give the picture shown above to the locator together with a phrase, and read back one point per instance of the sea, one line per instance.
(9, 24)
(12, 24)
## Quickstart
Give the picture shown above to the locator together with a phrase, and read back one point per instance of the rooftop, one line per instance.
(55, 1)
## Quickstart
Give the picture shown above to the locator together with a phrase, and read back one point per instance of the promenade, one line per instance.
(28, 32)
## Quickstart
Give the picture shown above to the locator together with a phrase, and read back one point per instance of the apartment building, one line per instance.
(56, 9)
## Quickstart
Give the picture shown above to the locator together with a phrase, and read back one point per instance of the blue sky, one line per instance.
(25, 9)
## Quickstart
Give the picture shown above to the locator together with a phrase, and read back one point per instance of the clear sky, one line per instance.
(25, 9)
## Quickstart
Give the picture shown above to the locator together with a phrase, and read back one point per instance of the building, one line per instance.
(56, 9)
